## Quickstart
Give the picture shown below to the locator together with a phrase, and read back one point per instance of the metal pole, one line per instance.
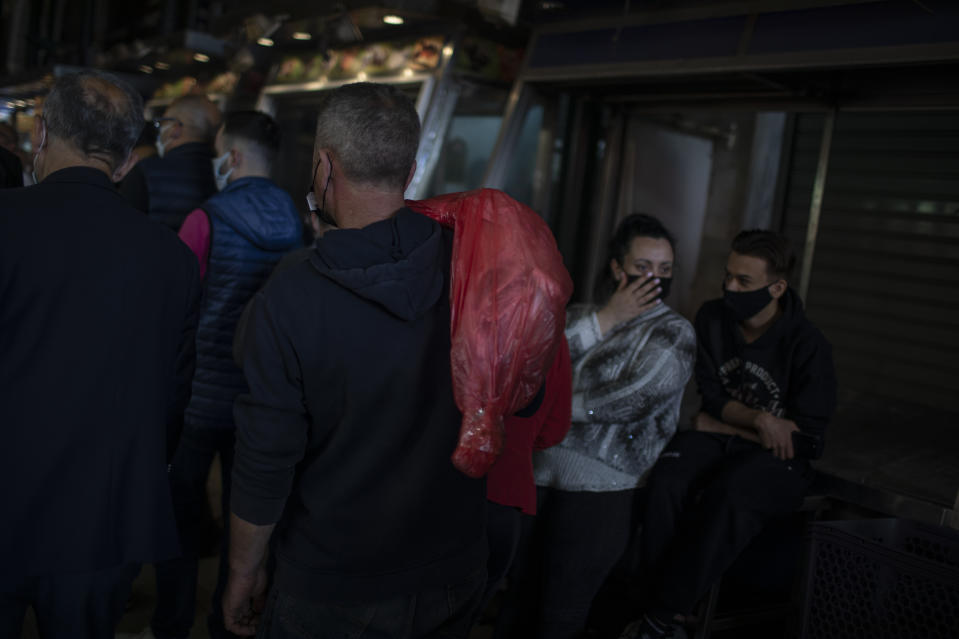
(442, 102)
(815, 207)
(604, 203)
(15, 37)
(517, 106)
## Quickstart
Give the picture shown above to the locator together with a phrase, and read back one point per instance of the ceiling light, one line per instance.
(265, 42)
(302, 35)
(392, 19)
(145, 68)
(163, 66)
(201, 57)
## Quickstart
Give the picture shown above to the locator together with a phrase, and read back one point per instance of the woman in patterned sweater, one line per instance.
(631, 356)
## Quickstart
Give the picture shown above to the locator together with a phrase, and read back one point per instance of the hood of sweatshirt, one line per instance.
(400, 263)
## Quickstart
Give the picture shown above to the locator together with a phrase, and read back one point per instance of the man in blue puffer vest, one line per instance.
(238, 235)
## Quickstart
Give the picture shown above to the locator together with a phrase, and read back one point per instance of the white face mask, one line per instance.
(224, 179)
(160, 144)
(36, 154)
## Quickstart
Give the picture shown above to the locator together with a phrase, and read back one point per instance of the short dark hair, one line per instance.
(769, 246)
(631, 227)
(256, 128)
(97, 113)
(373, 130)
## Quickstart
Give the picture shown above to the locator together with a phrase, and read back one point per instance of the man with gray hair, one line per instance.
(178, 180)
(97, 323)
(343, 442)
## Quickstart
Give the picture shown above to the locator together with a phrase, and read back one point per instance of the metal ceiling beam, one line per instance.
(706, 11)
(831, 59)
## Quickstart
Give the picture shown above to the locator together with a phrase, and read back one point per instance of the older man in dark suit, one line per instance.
(97, 324)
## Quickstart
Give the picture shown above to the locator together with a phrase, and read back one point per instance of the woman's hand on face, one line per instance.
(629, 301)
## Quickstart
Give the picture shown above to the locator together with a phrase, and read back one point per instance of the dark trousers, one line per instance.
(576, 540)
(68, 606)
(503, 531)
(443, 612)
(177, 578)
(708, 496)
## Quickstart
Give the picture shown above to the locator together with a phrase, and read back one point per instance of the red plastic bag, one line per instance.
(508, 297)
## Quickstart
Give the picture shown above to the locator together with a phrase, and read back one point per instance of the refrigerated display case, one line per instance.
(458, 83)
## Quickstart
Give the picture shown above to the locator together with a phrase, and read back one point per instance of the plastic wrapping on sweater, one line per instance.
(509, 290)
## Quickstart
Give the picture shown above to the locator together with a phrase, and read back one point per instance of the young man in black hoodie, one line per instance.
(766, 378)
(343, 444)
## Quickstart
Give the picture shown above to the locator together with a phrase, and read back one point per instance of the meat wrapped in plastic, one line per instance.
(509, 290)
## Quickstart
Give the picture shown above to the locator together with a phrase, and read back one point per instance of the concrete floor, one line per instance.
(903, 449)
(143, 594)
(143, 597)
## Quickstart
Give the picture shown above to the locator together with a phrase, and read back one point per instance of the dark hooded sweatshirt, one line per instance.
(345, 438)
(787, 372)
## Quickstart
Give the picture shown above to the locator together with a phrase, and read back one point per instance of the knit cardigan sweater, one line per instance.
(627, 390)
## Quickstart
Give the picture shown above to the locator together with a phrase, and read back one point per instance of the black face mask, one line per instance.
(321, 211)
(664, 283)
(744, 305)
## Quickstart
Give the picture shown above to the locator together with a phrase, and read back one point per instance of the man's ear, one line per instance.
(124, 168)
(409, 178)
(174, 131)
(236, 158)
(778, 289)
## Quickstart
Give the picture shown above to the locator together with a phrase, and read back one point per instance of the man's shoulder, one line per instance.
(14, 210)
(9, 197)
(131, 225)
(178, 161)
(146, 165)
(808, 338)
(710, 313)
(253, 195)
(74, 198)
(56, 207)
(293, 277)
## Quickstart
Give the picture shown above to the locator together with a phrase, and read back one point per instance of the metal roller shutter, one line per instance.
(884, 284)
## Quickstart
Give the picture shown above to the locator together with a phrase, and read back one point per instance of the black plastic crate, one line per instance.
(880, 578)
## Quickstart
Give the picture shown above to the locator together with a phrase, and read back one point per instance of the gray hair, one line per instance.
(198, 114)
(373, 130)
(97, 113)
